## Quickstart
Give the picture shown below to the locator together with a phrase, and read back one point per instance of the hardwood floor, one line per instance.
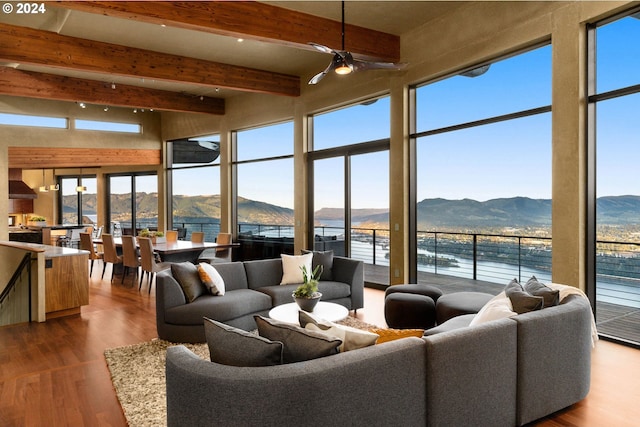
(54, 373)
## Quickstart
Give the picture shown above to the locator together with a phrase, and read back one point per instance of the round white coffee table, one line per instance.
(325, 310)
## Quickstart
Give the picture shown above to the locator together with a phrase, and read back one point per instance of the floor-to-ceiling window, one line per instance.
(132, 202)
(194, 185)
(614, 102)
(349, 157)
(263, 165)
(483, 171)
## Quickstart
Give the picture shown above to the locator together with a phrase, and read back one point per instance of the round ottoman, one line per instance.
(459, 303)
(411, 306)
(426, 290)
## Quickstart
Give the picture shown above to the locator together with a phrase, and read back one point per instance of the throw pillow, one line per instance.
(211, 279)
(551, 296)
(387, 335)
(235, 347)
(521, 300)
(186, 274)
(299, 344)
(352, 338)
(324, 258)
(292, 268)
(498, 307)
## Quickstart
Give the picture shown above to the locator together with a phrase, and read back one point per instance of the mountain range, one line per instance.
(436, 213)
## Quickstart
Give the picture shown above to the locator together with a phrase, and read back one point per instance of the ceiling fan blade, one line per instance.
(322, 48)
(315, 79)
(371, 65)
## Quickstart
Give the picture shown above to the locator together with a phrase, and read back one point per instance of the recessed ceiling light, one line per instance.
(240, 40)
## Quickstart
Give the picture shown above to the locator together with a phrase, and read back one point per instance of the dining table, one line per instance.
(179, 250)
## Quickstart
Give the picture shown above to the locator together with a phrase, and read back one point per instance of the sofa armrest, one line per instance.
(472, 375)
(168, 291)
(351, 272)
(360, 387)
(554, 358)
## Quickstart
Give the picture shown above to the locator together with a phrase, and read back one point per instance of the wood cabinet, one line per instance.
(20, 206)
(66, 284)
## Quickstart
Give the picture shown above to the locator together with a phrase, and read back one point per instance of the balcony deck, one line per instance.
(612, 320)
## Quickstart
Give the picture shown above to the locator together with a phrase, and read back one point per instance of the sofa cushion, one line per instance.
(521, 300)
(264, 272)
(235, 347)
(235, 304)
(292, 267)
(211, 279)
(452, 324)
(281, 294)
(352, 338)
(551, 296)
(186, 274)
(299, 344)
(323, 258)
(233, 274)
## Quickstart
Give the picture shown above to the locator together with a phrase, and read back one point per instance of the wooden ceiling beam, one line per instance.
(251, 20)
(28, 46)
(62, 157)
(31, 84)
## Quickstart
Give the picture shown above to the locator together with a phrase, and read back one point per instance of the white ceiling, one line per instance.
(395, 17)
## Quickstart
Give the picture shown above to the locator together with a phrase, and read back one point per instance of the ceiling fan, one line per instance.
(344, 63)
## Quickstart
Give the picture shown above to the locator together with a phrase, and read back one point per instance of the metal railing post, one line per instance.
(475, 256)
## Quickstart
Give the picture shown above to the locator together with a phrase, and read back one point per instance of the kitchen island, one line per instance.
(60, 283)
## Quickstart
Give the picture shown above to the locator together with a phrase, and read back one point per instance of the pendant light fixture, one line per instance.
(80, 188)
(44, 188)
(56, 186)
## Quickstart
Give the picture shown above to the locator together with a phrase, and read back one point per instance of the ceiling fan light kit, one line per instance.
(343, 62)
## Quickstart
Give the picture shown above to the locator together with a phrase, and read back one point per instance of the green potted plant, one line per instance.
(307, 295)
(37, 220)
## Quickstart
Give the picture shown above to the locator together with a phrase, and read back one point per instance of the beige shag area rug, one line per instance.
(138, 376)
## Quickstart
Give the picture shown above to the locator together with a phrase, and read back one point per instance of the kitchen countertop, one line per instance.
(49, 251)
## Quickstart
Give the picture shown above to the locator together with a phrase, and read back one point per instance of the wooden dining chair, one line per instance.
(86, 243)
(197, 237)
(218, 255)
(172, 236)
(148, 261)
(110, 253)
(130, 257)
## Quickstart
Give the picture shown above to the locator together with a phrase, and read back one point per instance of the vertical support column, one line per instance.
(569, 188)
(399, 185)
(301, 183)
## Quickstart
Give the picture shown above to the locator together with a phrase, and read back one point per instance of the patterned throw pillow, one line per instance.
(352, 338)
(211, 279)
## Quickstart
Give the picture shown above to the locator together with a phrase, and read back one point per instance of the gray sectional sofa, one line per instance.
(506, 372)
(252, 287)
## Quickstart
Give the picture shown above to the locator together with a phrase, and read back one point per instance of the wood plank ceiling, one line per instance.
(44, 63)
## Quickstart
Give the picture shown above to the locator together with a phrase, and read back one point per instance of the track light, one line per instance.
(82, 105)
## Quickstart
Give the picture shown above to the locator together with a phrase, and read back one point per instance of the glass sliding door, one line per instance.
(133, 202)
(614, 99)
(349, 148)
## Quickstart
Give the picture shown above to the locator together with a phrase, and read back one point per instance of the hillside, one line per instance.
(517, 212)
